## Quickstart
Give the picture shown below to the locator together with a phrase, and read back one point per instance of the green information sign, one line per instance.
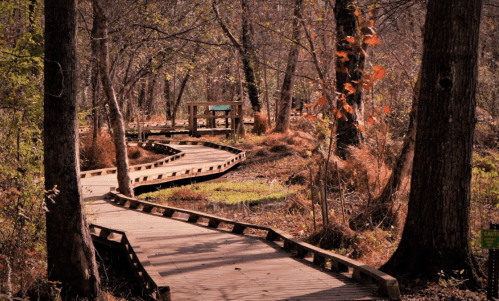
(490, 239)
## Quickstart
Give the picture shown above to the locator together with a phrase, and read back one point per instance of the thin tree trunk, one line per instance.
(168, 99)
(124, 182)
(404, 160)
(94, 80)
(244, 50)
(436, 235)
(266, 89)
(282, 121)
(70, 252)
(150, 95)
(179, 97)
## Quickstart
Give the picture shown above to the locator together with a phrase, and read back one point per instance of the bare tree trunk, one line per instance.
(381, 210)
(95, 87)
(124, 182)
(150, 95)
(282, 121)
(168, 99)
(248, 63)
(437, 234)
(404, 160)
(70, 252)
(179, 97)
(244, 50)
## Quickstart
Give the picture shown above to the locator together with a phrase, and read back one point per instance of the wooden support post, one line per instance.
(194, 121)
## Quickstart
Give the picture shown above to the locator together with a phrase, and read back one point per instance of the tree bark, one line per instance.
(248, 63)
(124, 182)
(150, 95)
(70, 252)
(168, 98)
(179, 97)
(95, 83)
(244, 50)
(282, 121)
(437, 232)
(348, 72)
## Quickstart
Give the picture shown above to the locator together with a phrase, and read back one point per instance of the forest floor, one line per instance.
(289, 164)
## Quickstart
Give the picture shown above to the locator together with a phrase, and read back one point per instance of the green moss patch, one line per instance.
(225, 192)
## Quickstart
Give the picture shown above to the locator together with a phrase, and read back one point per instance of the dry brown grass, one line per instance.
(261, 125)
(99, 155)
(102, 154)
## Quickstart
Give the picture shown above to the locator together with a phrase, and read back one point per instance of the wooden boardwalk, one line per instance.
(201, 263)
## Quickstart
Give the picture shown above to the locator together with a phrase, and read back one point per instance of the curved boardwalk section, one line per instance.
(198, 262)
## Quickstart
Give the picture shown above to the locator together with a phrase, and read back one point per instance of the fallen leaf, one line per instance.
(322, 101)
(379, 72)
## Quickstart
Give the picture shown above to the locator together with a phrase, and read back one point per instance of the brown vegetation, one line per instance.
(102, 153)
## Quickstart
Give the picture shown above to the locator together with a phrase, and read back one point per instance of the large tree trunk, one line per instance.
(124, 182)
(70, 252)
(348, 72)
(437, 232)
(282, 121)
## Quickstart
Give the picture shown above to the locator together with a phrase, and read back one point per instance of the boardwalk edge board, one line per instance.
(136, 257)
(164, 146)
(387, 285)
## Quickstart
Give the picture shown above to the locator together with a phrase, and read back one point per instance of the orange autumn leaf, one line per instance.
(349, 88)
(348, 108)
(343, 55)
(310, 117)
(379, 72)
(387, 109)
(361, 128)
(372, 40)
(322, 101)
(350, 39)
(371, 120)
(337, 114)
(377, 110)
(366, 86)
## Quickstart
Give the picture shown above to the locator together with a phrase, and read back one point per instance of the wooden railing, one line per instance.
(387, 285)
(235, 116)
(136, 257)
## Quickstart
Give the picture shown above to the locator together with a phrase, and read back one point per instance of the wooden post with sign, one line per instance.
(490, 240)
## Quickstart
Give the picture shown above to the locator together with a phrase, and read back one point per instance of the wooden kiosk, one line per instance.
(211, 111)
